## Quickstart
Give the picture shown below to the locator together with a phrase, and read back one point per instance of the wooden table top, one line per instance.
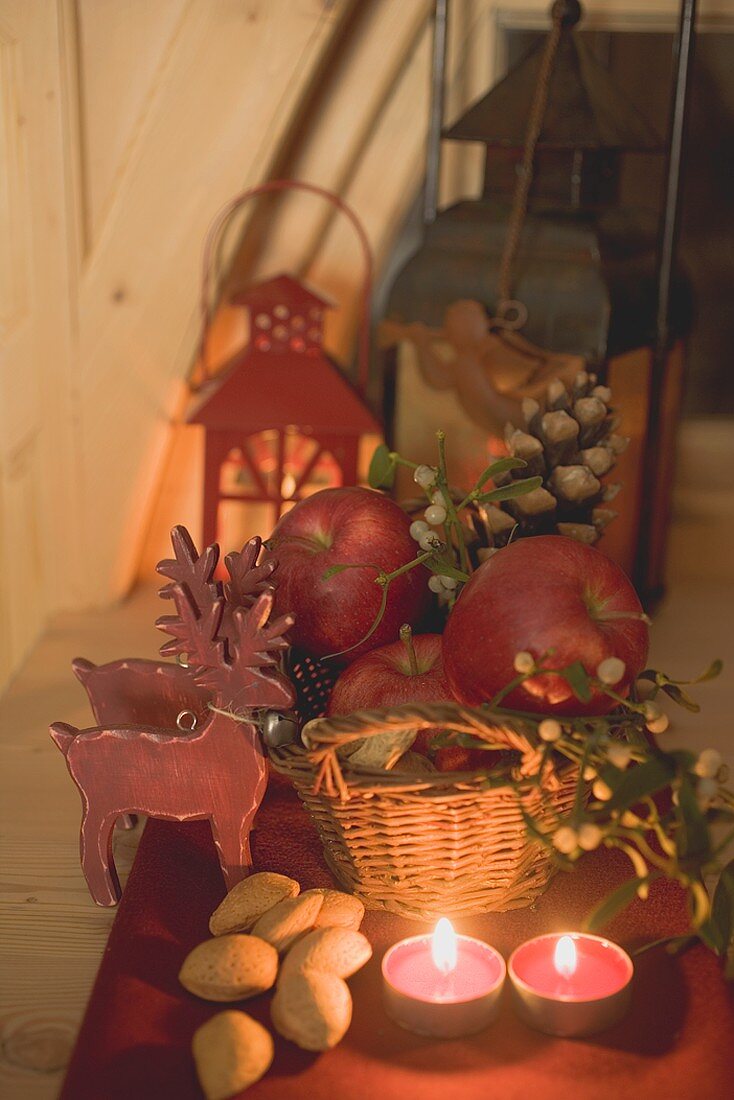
(51, 934)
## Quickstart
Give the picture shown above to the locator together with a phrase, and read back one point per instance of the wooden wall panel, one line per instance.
(124, 49)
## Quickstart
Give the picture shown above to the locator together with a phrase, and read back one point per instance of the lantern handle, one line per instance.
(210, 242)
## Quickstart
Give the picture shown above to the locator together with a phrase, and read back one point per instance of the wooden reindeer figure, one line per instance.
(217, 771)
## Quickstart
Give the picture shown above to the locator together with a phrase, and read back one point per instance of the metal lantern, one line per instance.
(281, 420)
(585, 279)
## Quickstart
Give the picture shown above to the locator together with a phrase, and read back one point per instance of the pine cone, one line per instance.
(572, 444)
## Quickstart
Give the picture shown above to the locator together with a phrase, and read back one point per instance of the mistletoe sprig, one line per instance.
(446, 554)
(655, 806)
(442, 535)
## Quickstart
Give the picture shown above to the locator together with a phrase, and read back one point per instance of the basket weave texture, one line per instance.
(436, 843)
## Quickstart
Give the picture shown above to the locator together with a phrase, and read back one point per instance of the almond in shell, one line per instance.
(338, 910)
(231, 1052)
(312, 1009)
(288, 920)
(248, 900)
(230, 968)
(339, 951)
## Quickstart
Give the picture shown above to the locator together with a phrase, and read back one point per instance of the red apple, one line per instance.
(356, 527)
(557, 599)
(390, 676)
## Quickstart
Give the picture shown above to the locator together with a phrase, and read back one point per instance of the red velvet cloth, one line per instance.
(677, 1042)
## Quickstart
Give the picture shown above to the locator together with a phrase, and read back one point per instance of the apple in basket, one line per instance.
(407, 671)
(330, 548)
(558, 600)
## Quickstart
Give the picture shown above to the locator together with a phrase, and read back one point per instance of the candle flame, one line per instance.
(564, 959)
(443, 946)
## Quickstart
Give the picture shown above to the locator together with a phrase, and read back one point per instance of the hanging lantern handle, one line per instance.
(210, 243)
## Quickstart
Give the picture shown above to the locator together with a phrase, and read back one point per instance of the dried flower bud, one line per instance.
(524, 662)
(565, 839)
(550, 730)
(590, 836)
(611, 670)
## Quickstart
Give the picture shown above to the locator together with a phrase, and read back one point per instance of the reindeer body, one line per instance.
(217, 772)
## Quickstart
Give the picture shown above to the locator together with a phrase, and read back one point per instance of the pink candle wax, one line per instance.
(571, 985)
(459, 997)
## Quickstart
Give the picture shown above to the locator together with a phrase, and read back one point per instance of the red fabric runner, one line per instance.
(677, 1042)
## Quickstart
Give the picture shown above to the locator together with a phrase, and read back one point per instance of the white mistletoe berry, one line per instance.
(435, 514)
(524, 662)
(429, 540)
(565, 839)
(651, 711)
(449, 583)
(425, 476)
(659, 724)
(611, 670)
(434, 583)
(549, 730)
(708, 764)
(706, 791)
(619, 754)
(417, 528)
(602, 791)
(589, 773)
(590, 836)
(437, 497)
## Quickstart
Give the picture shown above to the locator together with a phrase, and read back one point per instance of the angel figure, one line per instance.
(490, 367)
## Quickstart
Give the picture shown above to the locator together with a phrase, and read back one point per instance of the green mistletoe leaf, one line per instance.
(608, 908)
(381, 474)
(511, 491)
(501, 466)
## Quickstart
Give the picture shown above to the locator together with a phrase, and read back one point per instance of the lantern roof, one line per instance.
(585, 109)
(281, 290)
(265, 389)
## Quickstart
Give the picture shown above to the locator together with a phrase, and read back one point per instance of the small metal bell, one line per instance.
(279, 728)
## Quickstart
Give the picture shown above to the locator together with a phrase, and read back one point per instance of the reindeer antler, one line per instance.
(190, 568)
(257, 641)
(195, 633)
(247, 578)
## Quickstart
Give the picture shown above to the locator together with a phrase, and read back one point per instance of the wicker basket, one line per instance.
(434, 844)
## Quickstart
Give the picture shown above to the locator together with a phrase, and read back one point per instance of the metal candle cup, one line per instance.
(571, 985)
(445, 997)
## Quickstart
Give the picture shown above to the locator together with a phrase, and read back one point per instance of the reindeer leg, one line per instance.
(232, 841)
(97, 860)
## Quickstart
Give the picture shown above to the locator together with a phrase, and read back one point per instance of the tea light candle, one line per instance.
(571, 985)
(443, 985)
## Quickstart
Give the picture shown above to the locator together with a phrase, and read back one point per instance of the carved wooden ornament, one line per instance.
(137, 760)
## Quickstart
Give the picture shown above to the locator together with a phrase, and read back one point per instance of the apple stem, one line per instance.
(406, 637)
(606, 616)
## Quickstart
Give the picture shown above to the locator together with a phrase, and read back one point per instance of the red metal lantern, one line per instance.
(282, 420)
